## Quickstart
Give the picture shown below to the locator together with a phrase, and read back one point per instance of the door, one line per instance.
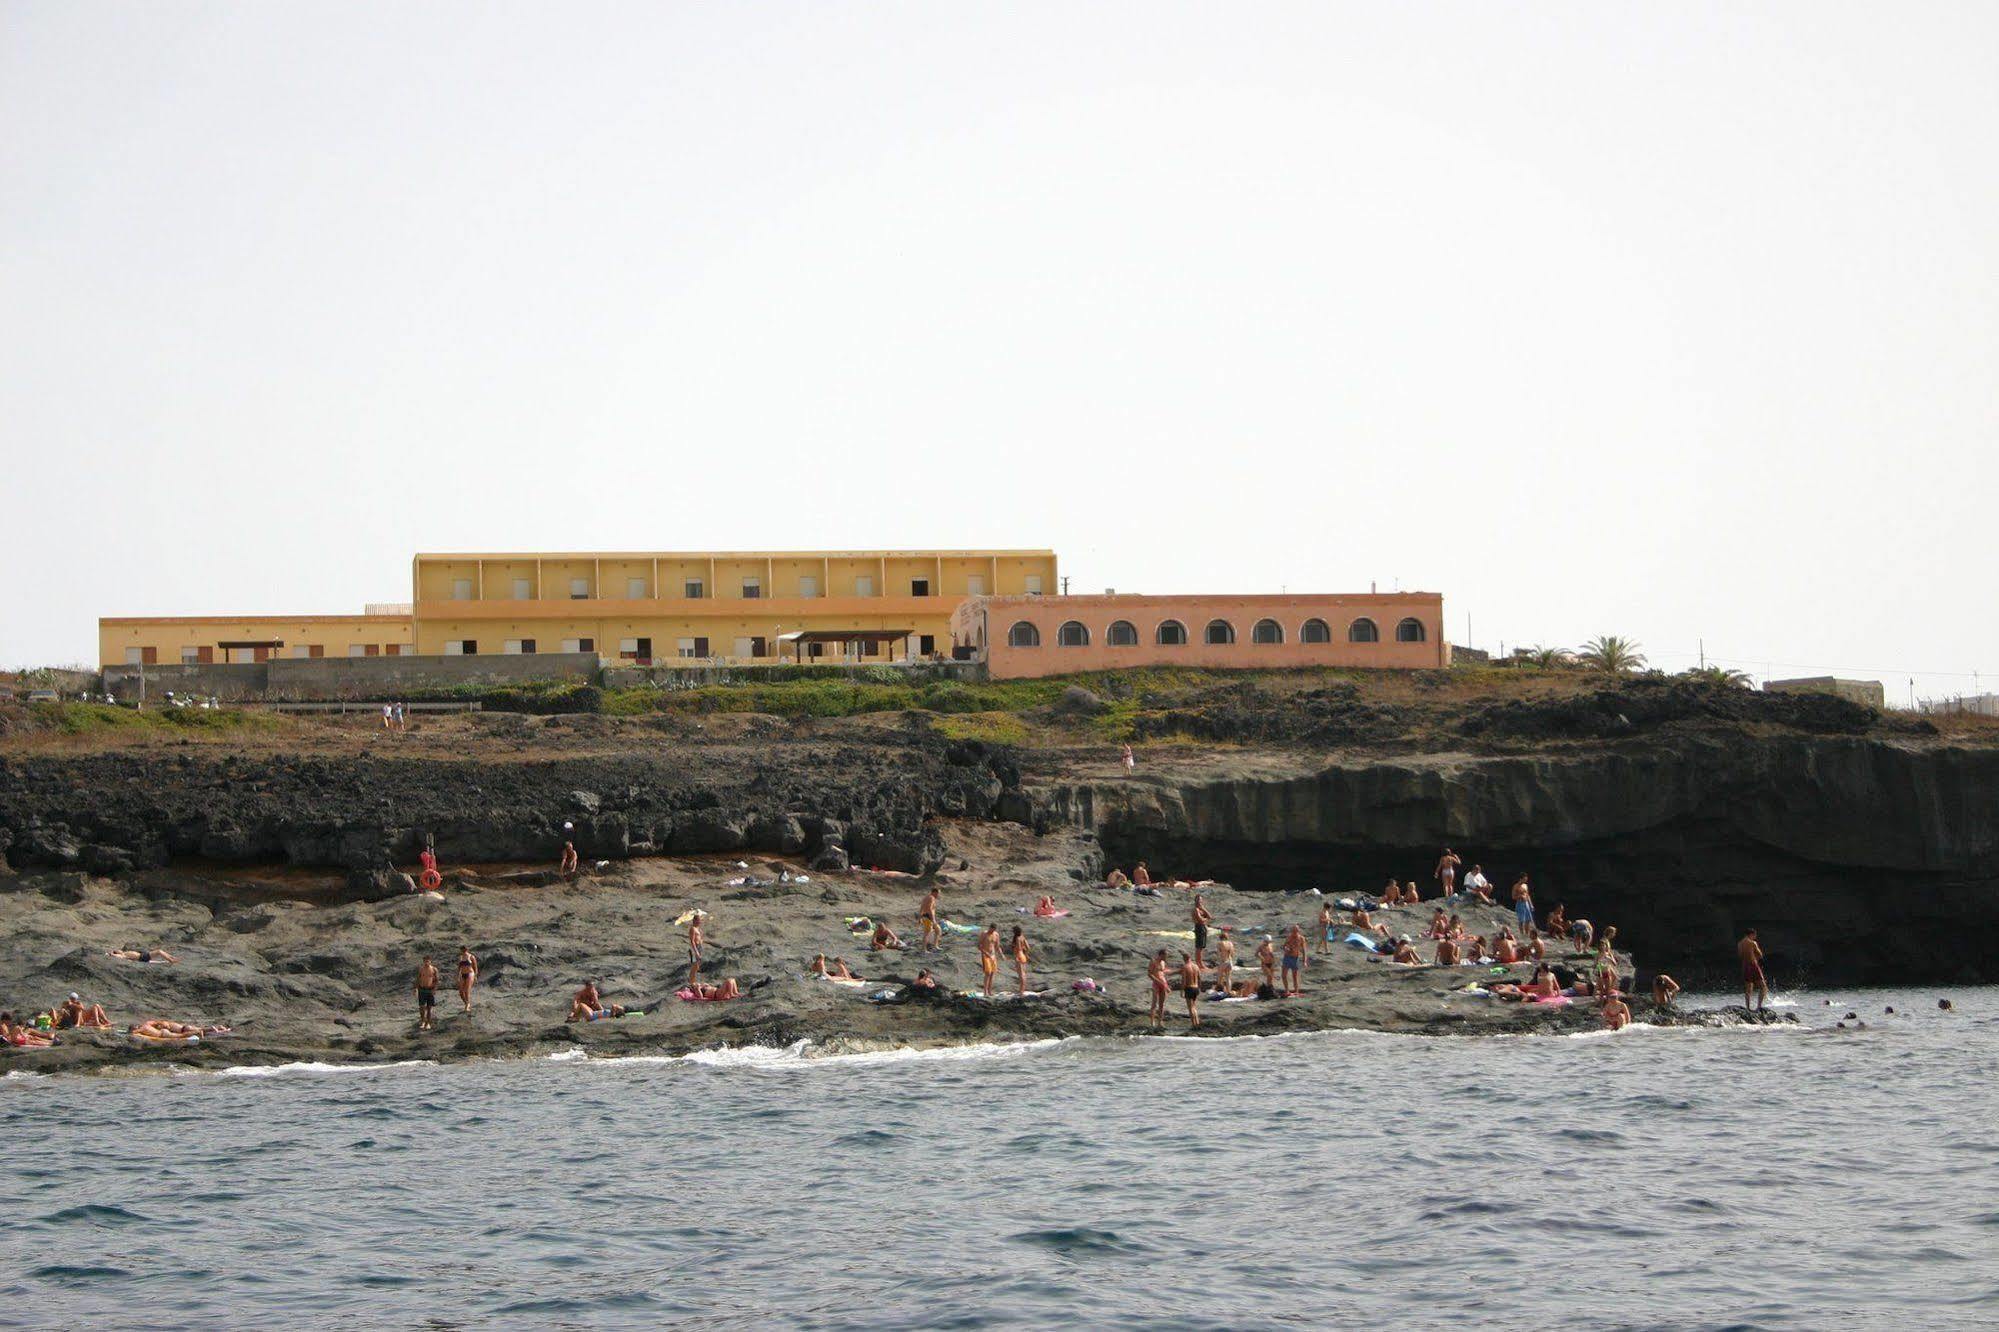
(645, 651)
(759, 647)
(926, 644)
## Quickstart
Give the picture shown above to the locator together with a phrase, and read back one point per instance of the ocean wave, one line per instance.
(307, 1066)
(805, 1054)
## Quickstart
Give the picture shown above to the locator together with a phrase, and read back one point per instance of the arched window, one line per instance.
(1409, 631)
(1219, 632)
(1315, 631)
(1267, 631)
(1023, 634)
(1363, 630)
(1171, 633)
(1122, 633)
(1072, 634)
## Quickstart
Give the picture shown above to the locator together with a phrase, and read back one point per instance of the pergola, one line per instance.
(250, 645)
(800, 638)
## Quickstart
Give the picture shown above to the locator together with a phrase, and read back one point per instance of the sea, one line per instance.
(1786, 1177)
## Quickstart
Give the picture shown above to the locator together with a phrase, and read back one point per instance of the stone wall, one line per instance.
(322, 679)
(626, 676)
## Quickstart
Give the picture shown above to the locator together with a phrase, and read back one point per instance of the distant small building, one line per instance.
(1470, 656)
(1869, 692)
(1978, 705)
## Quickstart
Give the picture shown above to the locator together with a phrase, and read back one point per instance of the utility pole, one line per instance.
(1703, 647)
(1065, 585)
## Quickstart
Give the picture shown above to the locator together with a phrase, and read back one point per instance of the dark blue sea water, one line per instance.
(1749, 1178)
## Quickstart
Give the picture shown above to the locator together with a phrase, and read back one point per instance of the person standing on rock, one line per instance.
(1190, 986)
(1266, 958)
(989, 955)
(1202, 919)
(1324, 942)
(468, 973)
(426, 994)
(1754, 985)
(1523, 903)
(1224, 959)
(1446, 872)
(1130, 761)
(1156, 974)
(1018, 948)
(926, 916)
(1294, 963)
(694, 938)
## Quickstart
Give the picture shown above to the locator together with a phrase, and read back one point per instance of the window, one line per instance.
(454, 647)
(1363, 631)
(1023, 634)
(635, 589)
(461, 589)
(926, 643)
(1072, 634)
(360, 650)
(524, 589)
(572, 645)
(518, 647)
(1315, 631)
(1409, 631)
(632, 649)
(135, 656)
(299, 652)
(694, 589)
(808, 585)
(975, 585)
(190, 655)
(753, 588)
(1267, 631)
(864, 586)
(1171, 633)
(1219, 632)
(1123, 633)
(919, 587)
(395, 650)
(579, 589)
(746, 647)
(693, 647)
(1033, 585)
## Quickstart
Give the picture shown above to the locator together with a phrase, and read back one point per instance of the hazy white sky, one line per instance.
(1679, 321)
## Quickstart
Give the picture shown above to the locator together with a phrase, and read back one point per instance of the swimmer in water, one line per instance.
(1615, 1015)
(1664, 987)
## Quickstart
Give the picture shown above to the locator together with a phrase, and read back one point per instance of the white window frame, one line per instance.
(454, 647)
(683, 647)
(635, 589)
(808, 585)
(864, 585)
(579, 589)
(510, 647)
(694, 589)
(524, 589)
(1033, 585)
(461, 589)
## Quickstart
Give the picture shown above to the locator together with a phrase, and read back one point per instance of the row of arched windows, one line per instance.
(1172, 633)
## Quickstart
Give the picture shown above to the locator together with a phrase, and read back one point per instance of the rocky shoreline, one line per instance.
(302, 975)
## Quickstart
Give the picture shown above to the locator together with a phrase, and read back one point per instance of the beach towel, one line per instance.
(689, 996)
(1361, 941)
(955, 928)
(687, 917)
(1555, 1001)
(1000, 998)
(1169, 934)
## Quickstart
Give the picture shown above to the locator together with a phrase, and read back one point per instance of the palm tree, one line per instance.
(1547, 658)
(1611, 655)
(1720, 675)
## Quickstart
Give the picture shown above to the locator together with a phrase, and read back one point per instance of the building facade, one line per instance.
(639, 607)
(189, 640)
(1870, 692)
(658, 606)
(1022, 637)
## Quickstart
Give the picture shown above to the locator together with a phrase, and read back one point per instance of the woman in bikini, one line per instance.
(1018, 948)
(468, 972)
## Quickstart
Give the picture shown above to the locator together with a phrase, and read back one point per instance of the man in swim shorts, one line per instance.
(1523, 903)
(1294, 963)
(1190, 987)
(989, 944)
(1323, 943)
(694, 938)
(426, 994)
(1754, 985)
(1202, 919)
(926, 916)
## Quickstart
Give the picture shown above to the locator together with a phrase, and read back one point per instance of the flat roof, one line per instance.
(726, 554)
(104, 620)
(844, 635)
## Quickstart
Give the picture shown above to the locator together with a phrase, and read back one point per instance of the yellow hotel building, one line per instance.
(635, 606)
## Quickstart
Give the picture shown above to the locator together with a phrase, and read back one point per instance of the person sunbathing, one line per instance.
(840, 972)
(818, 964)
(588, 1005)
(1536, 947)
(1456, 928)
(924, 981)
(728, 989)
(164, 1029)
(1440, 927)
(138, 954)
(73, 1012)
(1361, 920)
(1046, 906)
(1507, 950)
(1449, 953)
(1405, 953)
(1116, 879)
(1475, 949)
(885, 938)
(1544, 985)
(1558, 921)
(26, 1038)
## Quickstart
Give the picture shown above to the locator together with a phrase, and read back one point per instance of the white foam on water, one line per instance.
(23, 1075)
(807, 1055)
(567, 1056)
(273, 1070)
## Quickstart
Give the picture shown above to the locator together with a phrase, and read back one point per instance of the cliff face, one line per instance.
(1858, 860)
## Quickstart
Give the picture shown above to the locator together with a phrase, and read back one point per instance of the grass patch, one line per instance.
(994, 728)
(105, 719)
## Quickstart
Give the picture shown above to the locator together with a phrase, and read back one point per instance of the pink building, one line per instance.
(1025, 636)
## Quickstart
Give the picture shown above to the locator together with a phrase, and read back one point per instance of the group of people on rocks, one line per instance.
(75, 1014)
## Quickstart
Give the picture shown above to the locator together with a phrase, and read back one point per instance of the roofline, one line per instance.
(126, 620)
(1252, 598)
(723, 554)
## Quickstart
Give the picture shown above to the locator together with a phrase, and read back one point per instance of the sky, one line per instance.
(1678, 322)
